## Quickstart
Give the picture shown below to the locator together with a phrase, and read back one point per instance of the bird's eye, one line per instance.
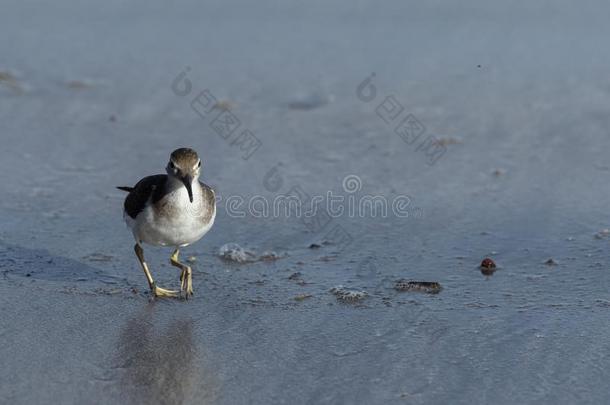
(172, 165)
(199, 164)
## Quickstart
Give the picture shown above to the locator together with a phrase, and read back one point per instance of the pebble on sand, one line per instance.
(297, 278)
(487, 263)
(348, 295)
(551, 262)
(487, 267)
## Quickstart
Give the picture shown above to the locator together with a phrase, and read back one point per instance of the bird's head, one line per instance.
(184, 165)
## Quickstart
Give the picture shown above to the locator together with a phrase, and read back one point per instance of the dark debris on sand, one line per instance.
(428, 287)
(487, 267)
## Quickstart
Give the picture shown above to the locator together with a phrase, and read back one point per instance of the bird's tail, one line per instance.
(128, 189)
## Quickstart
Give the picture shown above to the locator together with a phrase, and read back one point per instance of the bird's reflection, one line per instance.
(157, 362)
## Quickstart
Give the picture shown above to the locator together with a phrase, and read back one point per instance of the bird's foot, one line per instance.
(162, 292)
(186, 283)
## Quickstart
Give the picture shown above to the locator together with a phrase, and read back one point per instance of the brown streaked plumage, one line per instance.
(186, 157)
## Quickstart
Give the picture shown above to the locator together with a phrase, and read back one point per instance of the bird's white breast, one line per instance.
(174, 220)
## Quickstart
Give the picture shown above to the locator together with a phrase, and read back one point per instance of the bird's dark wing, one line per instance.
(151, 186)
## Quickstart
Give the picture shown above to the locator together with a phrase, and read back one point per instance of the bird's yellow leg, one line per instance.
(186, 278)
(157, 291)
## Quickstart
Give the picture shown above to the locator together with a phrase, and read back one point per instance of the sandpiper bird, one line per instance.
(171, 210)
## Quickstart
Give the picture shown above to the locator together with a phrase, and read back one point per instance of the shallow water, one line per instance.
(518, 94)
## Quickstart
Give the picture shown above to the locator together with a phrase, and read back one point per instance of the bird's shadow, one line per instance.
(18, 261)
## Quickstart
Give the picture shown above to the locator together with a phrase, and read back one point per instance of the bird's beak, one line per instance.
(188, 180)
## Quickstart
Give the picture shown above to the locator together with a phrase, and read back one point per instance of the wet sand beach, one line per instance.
(319, 310)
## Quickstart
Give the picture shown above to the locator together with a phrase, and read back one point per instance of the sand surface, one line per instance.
(91, 98)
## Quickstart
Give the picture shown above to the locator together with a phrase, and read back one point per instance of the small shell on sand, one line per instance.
(234, 253)
(429, 287)
(348, 295)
